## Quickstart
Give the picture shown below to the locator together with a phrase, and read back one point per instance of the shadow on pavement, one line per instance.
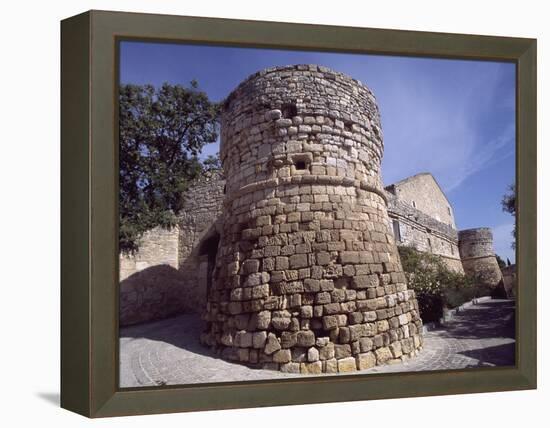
(182, 331)
(491, 319)
(500, 355)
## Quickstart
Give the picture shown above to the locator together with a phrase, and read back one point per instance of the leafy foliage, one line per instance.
(162, 132)
(509, 205)
(435, 285)
(212, 163)
(500, 261)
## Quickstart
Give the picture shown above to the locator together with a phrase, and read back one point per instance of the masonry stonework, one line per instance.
(307, 233)
(413, 228)
(478, 256)
(171, 271)
(199, 227)
(422, 192)
(149, 280)
(307, 276)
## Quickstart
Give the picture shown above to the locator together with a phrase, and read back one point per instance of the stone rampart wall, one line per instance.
(171, 271)
(149, 279)
(423, 232)
(199, 233)
(421, 191)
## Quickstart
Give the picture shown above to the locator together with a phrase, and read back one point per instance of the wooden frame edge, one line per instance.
(97, 296)
(526, 209)
(75, 215)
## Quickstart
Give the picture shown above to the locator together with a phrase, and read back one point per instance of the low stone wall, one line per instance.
(149, 280)
(170, 273)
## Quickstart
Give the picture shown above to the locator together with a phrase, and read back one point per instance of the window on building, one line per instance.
(414, 204)
(396, 231)
(429, 243)
(449, 209)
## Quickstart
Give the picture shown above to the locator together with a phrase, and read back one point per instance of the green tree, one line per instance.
(212, 163)
(509, 206)
(500, 261)
(435, 285)
(422, 272)
(162, 132)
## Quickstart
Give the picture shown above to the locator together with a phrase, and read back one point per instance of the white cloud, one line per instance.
(485, 155)
(444, 131)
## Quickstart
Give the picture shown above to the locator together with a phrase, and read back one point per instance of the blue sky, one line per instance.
(453, 118)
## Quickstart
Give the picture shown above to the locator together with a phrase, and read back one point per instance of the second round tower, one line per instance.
(478, 256)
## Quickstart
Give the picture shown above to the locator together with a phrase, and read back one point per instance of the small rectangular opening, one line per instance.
(289, 110)
(300, 165)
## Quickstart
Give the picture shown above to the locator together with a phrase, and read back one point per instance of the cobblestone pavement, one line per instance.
(168, 352)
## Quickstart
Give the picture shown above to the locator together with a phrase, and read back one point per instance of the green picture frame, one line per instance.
(89, 218)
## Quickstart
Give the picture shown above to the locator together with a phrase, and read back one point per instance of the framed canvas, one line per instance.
(343, 245)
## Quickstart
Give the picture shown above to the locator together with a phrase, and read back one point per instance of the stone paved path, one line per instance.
(168, 352)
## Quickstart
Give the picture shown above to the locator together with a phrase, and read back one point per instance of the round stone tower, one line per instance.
(307, 277)
(478, 256)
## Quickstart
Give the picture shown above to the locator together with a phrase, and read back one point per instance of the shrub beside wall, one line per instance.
(436, 286)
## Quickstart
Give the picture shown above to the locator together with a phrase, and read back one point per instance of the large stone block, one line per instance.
(366, 361)
(272, 344)
(282, 356)
(347, 365)
(311, 368)
(383, 355)
(305, 338)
